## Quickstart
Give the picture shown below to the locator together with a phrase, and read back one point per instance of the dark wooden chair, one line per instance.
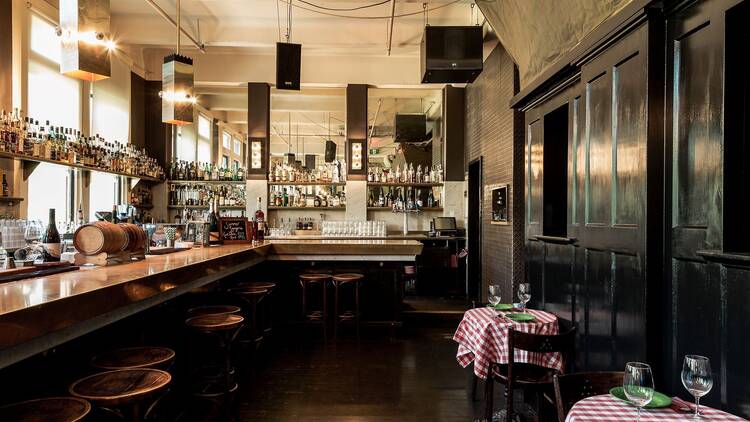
(572, 388)
(531, 378)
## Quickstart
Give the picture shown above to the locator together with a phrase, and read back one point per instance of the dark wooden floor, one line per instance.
(412, 376)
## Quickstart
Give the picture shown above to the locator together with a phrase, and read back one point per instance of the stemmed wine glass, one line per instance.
(494, 294)
(638, 385)
(697, 379)
(33, 232)
(524, 295)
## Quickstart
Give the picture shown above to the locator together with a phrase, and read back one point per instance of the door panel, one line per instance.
(598, 149)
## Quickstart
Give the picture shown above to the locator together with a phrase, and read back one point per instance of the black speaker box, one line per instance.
(330, 151)
(288, 61)
(451, 54)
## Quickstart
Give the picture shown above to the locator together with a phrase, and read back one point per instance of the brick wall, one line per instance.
(495, 132)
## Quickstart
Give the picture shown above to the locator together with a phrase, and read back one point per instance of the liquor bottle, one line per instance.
(51, 239)
(260, 220)
(213, 221)
(431, 200)
(5, 186)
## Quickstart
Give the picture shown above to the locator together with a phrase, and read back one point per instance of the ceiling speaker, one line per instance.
(288, 62)
(451, 54)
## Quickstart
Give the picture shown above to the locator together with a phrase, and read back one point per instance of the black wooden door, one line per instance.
(709, 288)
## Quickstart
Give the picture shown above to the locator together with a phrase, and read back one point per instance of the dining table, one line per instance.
(482, 337)
(607, 408)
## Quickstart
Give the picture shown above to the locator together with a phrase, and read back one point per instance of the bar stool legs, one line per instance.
(316, 316)
(339, 281)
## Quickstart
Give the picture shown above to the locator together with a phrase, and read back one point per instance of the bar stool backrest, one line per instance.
(572, 388)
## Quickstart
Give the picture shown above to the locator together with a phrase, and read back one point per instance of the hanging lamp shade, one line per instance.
(177, 98)
(84, 28)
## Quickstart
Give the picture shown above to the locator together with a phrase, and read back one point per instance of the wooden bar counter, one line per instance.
(40, 313)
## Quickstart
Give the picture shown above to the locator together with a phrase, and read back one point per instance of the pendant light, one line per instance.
(176, 94)
(84, 28)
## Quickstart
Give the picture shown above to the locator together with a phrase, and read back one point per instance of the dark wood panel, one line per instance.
(630, 309)
(558, 280)
(158, 135)
(454, 122)
(599, 310)
(6, 54)
(535, 272)
(598, 149)
(137, 111)
(737, 345)
(534, 161)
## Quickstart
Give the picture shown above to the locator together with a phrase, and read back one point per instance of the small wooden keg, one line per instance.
(98, 237)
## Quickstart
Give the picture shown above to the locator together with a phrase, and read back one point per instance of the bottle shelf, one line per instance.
(274, 208)
(306, 184)
(412, 185)
(10, 200)
(30, 164)
(143, 206)
(205, 207)
(206, 182)
(389, 209)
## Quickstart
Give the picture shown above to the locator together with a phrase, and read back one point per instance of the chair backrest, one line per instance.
(572, 388)
(542, 343)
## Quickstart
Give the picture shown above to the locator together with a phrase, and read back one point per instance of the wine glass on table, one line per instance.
(638, 385)
(33, 232)
(697, 379)
(524, 295)
(493, 296)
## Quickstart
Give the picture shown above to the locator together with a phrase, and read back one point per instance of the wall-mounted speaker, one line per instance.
(330, 151)
(288, 62)
(451, 54)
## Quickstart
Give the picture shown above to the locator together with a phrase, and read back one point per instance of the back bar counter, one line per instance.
(40, 313)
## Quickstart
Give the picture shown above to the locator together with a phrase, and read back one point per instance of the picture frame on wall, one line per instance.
(500, 198)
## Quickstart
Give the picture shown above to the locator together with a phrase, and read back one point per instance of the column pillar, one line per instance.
(258, 141)
(356, 143)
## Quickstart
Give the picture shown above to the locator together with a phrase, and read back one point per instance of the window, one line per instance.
(226, 140)
(555, 164)
(236, 164)
(204, 139)
(185, 145)
(102, 193)
(49, 187)
(237, 146)
(224, 161)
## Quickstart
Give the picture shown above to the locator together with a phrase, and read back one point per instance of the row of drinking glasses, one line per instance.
(18, 233)
(524, 295)
(354, 228)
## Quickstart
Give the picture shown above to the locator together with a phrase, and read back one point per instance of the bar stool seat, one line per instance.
(215, 322)
(52, 409)
(314, 277)
(213, 309)
(259, 284)
(253, 294)
(134, 357)
(340, 280)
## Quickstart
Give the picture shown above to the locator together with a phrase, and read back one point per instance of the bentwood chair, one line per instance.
(531, 378)
(572, 388)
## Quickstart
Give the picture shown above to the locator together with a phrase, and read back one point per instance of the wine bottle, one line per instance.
(51, 239)
(5, 186)
(260, 219)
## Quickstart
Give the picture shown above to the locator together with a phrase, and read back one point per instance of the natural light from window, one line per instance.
(204, 139)
(48, 188)
(226, 140)
(102, 191)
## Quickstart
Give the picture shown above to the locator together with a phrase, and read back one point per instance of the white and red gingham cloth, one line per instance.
(605, 408)
(482, 338)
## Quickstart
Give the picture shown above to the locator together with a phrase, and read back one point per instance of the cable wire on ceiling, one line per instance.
(345, 9)
(370, 17)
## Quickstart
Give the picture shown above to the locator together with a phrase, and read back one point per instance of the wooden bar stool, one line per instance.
(135, 357)
(52, 409)
(213, 309)
(257, 296)
(224, 328)
(340, 280)
(321, 315)
(124, 390)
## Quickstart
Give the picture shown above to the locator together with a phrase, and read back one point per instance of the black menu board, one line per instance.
(234, 230)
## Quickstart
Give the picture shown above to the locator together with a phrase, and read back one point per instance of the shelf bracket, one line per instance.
(28, 168)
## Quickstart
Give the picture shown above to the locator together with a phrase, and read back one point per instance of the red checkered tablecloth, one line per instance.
(482, 338)
(606, 408)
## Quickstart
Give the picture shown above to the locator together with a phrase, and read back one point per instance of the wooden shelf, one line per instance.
(30, 163)
(389, 209)
(144, 206)
(205, 207)
(206, 182)
(413, 185)
(306, 184)
(307, 208)
(10, 200)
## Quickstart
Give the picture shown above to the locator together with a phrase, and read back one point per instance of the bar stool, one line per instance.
(257, 296)
(135, 357)
(340, 280)
(321, 315)
(213, 309)
(52, 409)
(224, 328)
(124, 390)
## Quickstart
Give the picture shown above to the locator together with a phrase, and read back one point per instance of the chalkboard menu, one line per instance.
(234, 230)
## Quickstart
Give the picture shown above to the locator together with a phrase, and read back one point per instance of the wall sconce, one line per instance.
(84, 25)
(256, 157)
(357, 157)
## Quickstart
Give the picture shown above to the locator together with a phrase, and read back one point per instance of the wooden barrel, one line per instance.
(136, 237)
(98, 237)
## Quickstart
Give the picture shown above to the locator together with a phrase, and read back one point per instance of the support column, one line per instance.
(6, 55)
(454, 116)
(356, 143)
(258, 137)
